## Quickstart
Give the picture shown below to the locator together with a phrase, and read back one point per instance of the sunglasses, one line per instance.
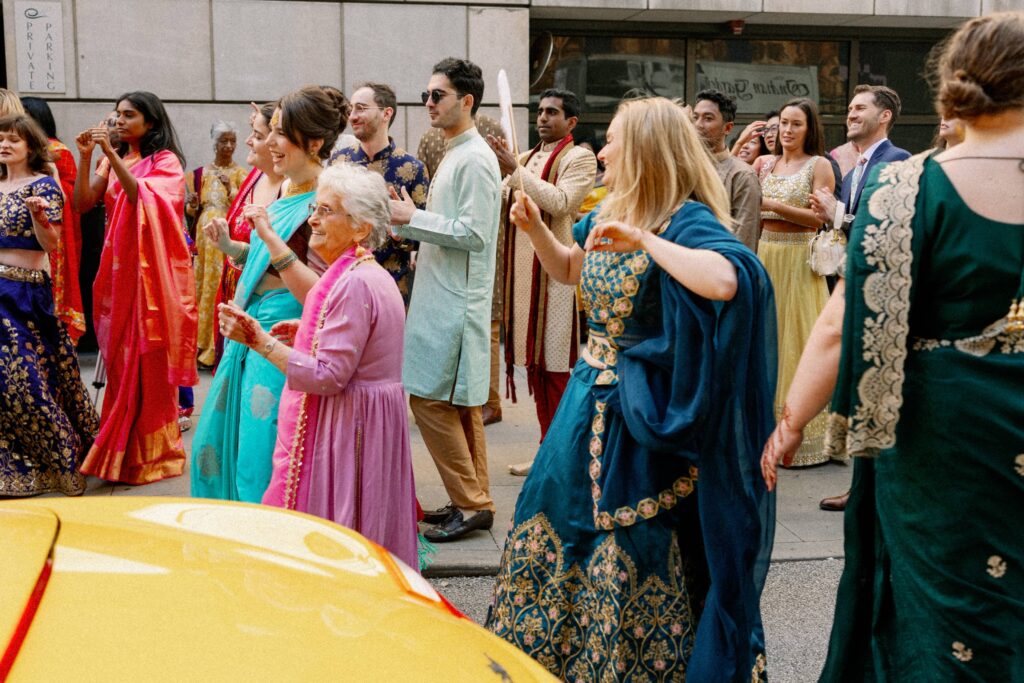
(435, 95)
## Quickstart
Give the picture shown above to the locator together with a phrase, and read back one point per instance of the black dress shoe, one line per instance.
(440, 515)
(458, 526)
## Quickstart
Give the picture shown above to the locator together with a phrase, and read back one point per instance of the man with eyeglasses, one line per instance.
(447, 334)
(541, 324)
(374, 108)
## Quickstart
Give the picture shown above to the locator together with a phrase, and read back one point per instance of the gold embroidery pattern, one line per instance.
(996, 567)
(757, 675)
(993, 338)
(45, 428)
(887, 249)
(594, 623)
(962, 652)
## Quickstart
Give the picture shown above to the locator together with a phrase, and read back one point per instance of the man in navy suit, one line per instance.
(869, 118)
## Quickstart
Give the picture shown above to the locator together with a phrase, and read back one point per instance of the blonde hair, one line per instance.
(10, 104)
(661, 163)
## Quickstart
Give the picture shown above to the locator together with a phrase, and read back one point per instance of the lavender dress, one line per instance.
(343, 448)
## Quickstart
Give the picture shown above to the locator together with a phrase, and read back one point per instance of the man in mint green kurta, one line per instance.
(447, 334)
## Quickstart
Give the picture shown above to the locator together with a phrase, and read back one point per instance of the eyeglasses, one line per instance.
(320, 210)
(436, 95)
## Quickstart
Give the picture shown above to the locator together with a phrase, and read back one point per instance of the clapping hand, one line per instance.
(239, 326)
(217, 231)
(257, 217)
(506, 160)
(37, 206)
(402, 207)
(823, 204)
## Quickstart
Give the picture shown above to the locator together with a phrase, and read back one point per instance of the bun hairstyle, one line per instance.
(314, 113)
(980, 68)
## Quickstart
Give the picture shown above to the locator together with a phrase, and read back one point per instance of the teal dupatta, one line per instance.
(234, 442)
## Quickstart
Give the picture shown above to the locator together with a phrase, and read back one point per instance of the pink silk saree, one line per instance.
(145, 315)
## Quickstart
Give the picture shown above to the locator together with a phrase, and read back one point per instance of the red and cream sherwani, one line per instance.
(541, 324)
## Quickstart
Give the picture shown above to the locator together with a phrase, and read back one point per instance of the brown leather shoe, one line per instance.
(491, 415)
(835, 503)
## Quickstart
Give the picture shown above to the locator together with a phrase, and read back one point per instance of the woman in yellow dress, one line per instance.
(217, 185)
(797, 169)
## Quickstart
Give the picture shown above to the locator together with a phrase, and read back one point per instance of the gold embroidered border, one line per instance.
(887, 248)
(993, 338)
(645, 508)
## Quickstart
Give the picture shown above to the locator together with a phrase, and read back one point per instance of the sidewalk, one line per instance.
(803, 532)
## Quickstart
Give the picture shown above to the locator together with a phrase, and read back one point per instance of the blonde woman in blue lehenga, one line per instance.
(654, 446)
(924, 344)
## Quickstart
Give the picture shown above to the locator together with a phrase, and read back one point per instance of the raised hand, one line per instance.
(101, 136)
(84, 142)
(217, 231)
(257, 217)
(239, 326)
(37, 206)
(525, 214)
(506, 160)
(402, 208)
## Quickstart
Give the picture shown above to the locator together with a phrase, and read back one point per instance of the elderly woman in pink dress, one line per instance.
(342, 450)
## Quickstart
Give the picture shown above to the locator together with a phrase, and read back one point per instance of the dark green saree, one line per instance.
(931, 392)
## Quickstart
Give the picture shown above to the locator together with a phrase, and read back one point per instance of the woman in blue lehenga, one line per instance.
(47, 421)
(620, 565)
(234, 443)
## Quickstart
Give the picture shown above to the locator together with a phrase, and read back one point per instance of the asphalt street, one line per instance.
(797, 607)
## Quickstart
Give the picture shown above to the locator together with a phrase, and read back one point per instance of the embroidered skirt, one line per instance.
(800, 296)
(47, 420)
(591, 604)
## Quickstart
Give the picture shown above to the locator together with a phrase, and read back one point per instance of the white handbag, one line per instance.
(827, 250)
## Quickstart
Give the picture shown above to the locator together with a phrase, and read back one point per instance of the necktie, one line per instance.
(858, 171)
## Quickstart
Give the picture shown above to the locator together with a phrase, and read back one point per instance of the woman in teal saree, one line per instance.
(234, 442)
(924, 344)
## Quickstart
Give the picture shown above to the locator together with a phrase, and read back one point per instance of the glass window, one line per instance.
(602, 70)
(900, 66)
(764, 74)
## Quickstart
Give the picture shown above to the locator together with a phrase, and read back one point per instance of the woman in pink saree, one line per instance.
(342, 450)
(144, 293)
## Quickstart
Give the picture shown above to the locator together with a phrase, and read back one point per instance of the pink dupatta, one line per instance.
(298, 411)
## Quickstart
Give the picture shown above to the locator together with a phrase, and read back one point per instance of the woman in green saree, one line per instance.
(924, 347)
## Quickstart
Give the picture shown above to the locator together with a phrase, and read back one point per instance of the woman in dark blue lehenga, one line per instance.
(47, 420)
(642, 536)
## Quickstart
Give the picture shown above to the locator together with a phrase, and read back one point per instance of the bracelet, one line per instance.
(242, 255)
(268, 347)
(284, 262)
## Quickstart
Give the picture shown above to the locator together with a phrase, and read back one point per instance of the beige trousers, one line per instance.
(454, 435)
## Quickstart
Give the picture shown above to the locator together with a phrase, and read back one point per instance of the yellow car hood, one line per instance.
(178, 589)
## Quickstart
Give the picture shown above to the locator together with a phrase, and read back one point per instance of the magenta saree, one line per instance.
(342, 450)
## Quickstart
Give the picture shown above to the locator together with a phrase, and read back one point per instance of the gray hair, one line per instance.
(221, 127)
(364, 194)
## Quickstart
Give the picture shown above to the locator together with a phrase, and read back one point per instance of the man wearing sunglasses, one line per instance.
(447, 334)
(374, 107)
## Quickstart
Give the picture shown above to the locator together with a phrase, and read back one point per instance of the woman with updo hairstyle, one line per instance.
(209, 192)
(923, 343)
(261, 187)
(231, 453)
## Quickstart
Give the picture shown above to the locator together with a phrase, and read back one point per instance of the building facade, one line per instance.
(208, 58)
